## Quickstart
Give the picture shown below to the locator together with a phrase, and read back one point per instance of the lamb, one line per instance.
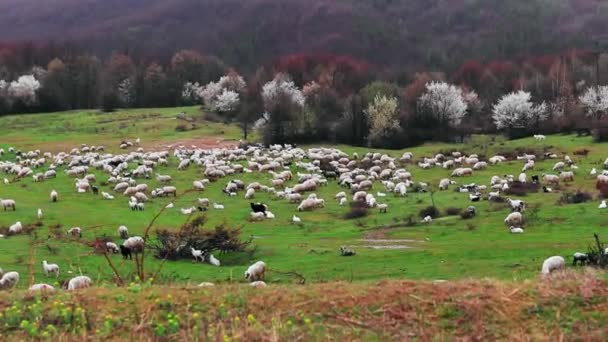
(307, 204)
(80, 282)
(197, 253)
(256, 272)
(603, 205)
(75, 231)
(580, 258)
(15, 228)
(258, 283)
(8, 204)
(126, 252)
(295, 219)
(516, 230)
(163, 178)
(187, 211)
(54, 196)
(39, 214)
(523, 178)
(257, 216)
(213, 260)
(269, 215)
(514, 219)
(50, 268)
(218, 206)
(112, 247)
(250, 193)
(539, 137)
(123, 232)
(445, 183)
(427, 219)
(43, 288)
(198, 185)
(553, 264)
(383, 207)
(559, 166)
(9, 280)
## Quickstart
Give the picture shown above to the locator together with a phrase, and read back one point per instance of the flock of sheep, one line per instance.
(128, 173)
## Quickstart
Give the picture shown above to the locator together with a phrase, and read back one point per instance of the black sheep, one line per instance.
(535, 179)
(95, 190)
(258, 207)
(126, 252)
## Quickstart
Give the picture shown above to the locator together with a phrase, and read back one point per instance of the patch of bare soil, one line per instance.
(202, 143)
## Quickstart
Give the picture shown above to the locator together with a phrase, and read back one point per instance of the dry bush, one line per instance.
(452, 211)
(581, 152)
(580, 196)
(358, 209)
(173, 245)
(522, 189)
(429, 211)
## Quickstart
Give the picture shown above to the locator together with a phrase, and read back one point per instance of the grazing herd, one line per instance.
(127, 174)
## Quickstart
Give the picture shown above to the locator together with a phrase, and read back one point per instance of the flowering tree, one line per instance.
(281, 86)
(446, 102)
(191, 92)
(24, 89)
(383, 118)
(595, 101)
(516, 110)
(233, 81)
(227, 101)
(210, 92)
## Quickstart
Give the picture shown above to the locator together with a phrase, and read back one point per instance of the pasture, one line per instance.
(392, 245)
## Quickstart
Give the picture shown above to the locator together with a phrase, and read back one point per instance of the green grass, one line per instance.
(448, 248)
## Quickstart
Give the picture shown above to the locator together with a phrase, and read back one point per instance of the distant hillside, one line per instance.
(250, 32)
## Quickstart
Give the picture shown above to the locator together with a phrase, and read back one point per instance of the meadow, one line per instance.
(392, 245)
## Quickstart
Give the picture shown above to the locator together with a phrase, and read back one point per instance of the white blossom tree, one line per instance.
(24, 89)
(210, 92)
(595, 101)
(516, 110)
(383, 118)
(446, 102)
(233, 81)
(191, 92)
(281, 86)
(227, 101)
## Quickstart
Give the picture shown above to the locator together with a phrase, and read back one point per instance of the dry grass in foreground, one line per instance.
(569, 306)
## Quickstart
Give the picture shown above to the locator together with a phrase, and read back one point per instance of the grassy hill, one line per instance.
(392, 245)
(254, 32)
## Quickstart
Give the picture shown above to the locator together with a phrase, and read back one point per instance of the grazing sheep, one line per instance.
(112, 247)
(567, 176)
(516, 205)
(197, 253)
(603, 205)
(107, 196)
(383, 208)
(75, 231)
(218, 206)
(343, 201)
(123, 232)
(198, 185)
(187, 211)
(9, 280)
(514, 219)
(539, 137)
(258, 207)
(8, 204)
(15, 228)
(580, 258)
(347, 251)
(50, 268)
(80, 282)
(269, 215)
(42, 288)
(135, 244)
(427, 219)
(307, 204)
(445, 183)
(257, 216)
(553, 264)
(126, 252)
(54, 196)
(213, 260)
(551, 179)
(559, 166)
(256, 272)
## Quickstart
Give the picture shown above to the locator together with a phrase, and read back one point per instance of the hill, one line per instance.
(253, 32)
(569, 307)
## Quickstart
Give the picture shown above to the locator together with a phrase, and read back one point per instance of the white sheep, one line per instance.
(107, 196)
(50, 268)
(516, 230)
(383, 207)
(552, 264)
(197, 253)
(218, 206)
(206, 284)
(514, 219)
(187, 211)
(54, 196)
(250, 193)
(259, 216)
(295, 219)
(79, 282)
(256, 272)
(427, 219)
(9, 280)
(258, 283)
(135, 244)
(112, 247)
(343, 201)
(123, 232)
(39, 214)
(8, 204)
(75, 231)
(198, 185)
(213, 260)
(43, 288)
(16, 228)
(445, 183)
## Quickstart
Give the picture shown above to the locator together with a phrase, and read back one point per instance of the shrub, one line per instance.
(465, 215)
(358, 209)
(452, 211)
(173, 245)
(582, 152)
(429, 211)
(522, 189)
(579, 196)
(181, 128)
